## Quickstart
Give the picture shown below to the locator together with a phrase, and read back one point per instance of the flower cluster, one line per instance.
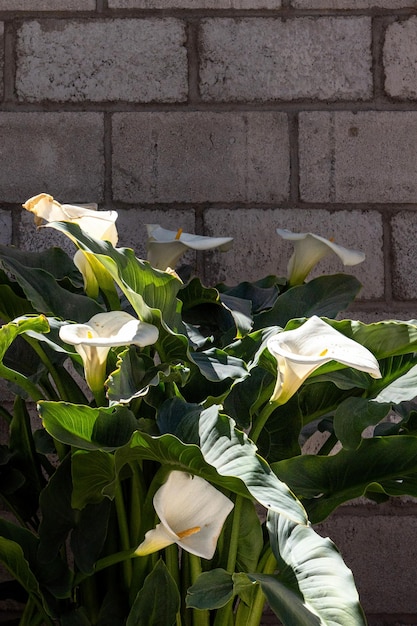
(167, 479)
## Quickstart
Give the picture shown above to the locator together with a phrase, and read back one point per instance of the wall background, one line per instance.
(233, 117)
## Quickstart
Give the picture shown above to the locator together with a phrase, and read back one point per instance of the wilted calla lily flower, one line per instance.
(94, 339)
(97, 224)
(191, 512)
(301, 351)
(309, 249)
(165, 247)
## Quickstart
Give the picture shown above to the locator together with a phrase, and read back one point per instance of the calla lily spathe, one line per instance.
(191, 513)
(97, 224)
(94, 339)
(165, 247)
(309, 249)
(301, 351)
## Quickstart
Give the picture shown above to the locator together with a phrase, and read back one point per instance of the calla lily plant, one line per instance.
(301, 351)
(191, 512)
(166, 247)
(181, 491)
(309, 249)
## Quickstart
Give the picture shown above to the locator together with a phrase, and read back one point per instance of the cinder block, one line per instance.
(5, 227)
(263, 59)
(400, 59)
(200, 156)
(194, 4)
(128, 60)
(1, 57)
(47, 5)
(258, 250)
(404, 280)
(353, 4)
(59, 153)
(369, 156)
(379, 551)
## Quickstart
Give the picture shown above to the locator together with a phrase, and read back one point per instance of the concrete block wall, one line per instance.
(232, 117)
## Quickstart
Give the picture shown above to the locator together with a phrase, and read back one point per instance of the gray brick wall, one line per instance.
(232, 117)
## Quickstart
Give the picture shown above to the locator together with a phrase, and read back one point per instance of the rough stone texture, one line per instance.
(130, 60)
(363, 543)
(5, 227)
(264, 59)
(200, 157)
(358, 157)
(404, 256)
(258, 250)
(194, 4)
(47, 5)
(353, 4)
(1, 57)
(60, 153)
(400, 59)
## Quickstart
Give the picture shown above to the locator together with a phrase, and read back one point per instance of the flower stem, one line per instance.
(124, 532)
(201, 617)
(261, 420)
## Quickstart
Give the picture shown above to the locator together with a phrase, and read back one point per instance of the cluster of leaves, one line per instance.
(80, 486)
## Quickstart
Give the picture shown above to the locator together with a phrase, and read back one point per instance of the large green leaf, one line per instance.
(47, 296)
(86, 427)
(53, 260)
(88, 527)
(312, 567)
(212, 590)
(324, 482)
(12, 557)
(216, 365)
(353, 415)
(323, 296)
(158, 602)
(147, 289)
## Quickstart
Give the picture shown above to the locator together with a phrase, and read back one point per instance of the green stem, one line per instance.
(261, 420)
(90, 600)
(234, 535)
(172, 562)
(124, 532)
(252, 615)
(201, 617)
(20, 380)
(49, 365)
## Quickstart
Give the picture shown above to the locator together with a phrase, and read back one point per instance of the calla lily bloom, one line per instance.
(309, 249)
(165, 247)
(301, 351)
(94, 339)
(97, 224)
(191, 512)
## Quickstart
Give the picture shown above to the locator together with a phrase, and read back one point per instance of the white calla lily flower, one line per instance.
(191, 512)
(165, 247)
(309, 249)
(301, 351)
(97, 224)
(94, 339)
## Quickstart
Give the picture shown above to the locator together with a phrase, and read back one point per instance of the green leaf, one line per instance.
(92, 472)
(211, 590)
(86, 427)
(216, 365)
(59, 518)
(147, 289)
(353, 415)
(12, 557)
(313, 568)
(48, 297)
(322, 296)
(134, 373)
(158, 602)
(250, 542)
(325, 482)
